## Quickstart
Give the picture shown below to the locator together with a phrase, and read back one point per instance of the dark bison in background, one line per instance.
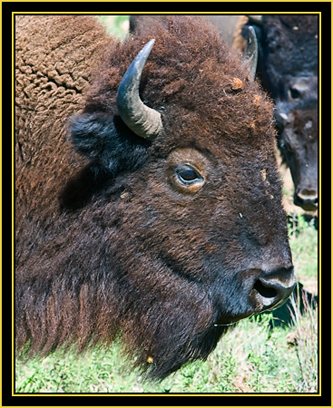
(159, 219)
(288, 70)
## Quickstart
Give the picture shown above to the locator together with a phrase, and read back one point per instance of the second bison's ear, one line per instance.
(107, 142)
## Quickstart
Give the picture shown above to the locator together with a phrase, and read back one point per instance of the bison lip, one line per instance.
(224, 324)
(226, 321)
(306, 204)
(231, 321)
(309, 206)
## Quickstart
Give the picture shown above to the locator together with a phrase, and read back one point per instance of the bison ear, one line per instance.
(251, 54)
(107, 142)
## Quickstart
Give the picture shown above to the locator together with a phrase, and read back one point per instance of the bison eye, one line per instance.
(294, 93)
(188, 175)
(187, 170)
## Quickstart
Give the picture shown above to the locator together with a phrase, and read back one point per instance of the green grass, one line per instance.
(251, 358)
(303, 243)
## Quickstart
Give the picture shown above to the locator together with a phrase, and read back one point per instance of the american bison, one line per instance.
(159, 217)
(288, 70)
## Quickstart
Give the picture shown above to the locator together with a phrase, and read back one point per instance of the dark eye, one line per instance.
(188, 175)
(294, 93)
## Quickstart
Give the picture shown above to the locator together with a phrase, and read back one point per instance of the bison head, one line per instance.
(174, 230)
(297, 124)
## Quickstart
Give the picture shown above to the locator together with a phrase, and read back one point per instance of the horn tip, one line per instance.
(149, 45)
(252, 33)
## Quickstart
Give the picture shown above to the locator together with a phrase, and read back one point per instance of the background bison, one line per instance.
(288, 70)
(164, 223)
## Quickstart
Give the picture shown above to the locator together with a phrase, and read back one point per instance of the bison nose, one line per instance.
(307, 199)
(272, 289)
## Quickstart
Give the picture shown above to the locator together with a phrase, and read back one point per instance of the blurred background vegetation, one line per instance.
(116, 25)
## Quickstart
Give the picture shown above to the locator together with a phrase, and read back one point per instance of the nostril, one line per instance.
(313, 199)
(273, 288)
(264, 290)
(308, 195)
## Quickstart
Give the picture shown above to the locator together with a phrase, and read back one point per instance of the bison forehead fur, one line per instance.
(117, 238)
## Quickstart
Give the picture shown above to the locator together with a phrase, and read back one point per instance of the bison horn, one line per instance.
(251, 53)
(141, 119)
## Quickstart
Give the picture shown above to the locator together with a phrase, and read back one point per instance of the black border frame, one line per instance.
(186, 8)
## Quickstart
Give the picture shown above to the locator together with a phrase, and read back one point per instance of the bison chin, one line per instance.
(190, 331)
(173, 353)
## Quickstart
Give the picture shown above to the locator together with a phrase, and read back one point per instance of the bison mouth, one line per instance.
(308, 204)
(232, 320)
(189, 329)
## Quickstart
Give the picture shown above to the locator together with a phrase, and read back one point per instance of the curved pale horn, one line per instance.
(141, 119)
(251, 54)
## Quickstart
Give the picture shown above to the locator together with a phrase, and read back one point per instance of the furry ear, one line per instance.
(107, 142)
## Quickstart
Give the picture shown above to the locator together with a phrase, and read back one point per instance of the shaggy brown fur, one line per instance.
(109, 247)
(53, 67)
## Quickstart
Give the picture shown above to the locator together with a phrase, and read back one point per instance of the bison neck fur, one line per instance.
(109, 242)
